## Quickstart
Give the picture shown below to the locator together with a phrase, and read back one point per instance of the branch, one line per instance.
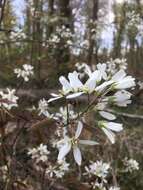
(6, 30)
(133, 116)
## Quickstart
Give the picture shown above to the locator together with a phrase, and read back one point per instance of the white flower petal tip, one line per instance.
(66, 85)
(54, 99)
(77, 155)
(110, 135)
(79, 129)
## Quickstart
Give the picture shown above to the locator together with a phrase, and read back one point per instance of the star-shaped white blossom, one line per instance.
(66, 144)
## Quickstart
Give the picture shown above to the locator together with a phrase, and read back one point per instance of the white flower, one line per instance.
(18, 72)
(122, 81)
(131, 165)
(63, 165)
(28, 68)
(62, 168)
(66, 144)
(39, 154)
(102, 68)
(114, 188)
(73, 85)
(140, 85)
(117, 64)
(25, 73)
(108, 127)
(63, 114)
(51, 171)
(10, 97)
(96, 185)
(99, 169)
(58, 170)
(121, 98)
(42, 107)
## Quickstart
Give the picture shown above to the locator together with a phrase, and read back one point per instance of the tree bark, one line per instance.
(2, 8)
(92, 41)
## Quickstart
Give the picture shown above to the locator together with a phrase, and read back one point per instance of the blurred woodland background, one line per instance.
(94, 32)
(55, 35)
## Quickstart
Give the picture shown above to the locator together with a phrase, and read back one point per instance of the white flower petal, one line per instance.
(88, 142)
(77, 155)
(107, 115)
(74, 80)
(54, 95)
(115, 126)
(79, 129)
(127, 82)
(53, 99)
(96, 75)
(109, 134)
(64, 150)
(65, 84)
(101, 87)
(74, 95)
(90, 84)
(119, 75)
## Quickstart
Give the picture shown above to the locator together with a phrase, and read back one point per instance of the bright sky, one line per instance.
(18, 8)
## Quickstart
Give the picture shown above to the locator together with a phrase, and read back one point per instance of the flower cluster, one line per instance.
(110, 67)
(115, 64)
(98, 172)
(43, 108)
(57, 170)
(131, 165)
(25, 73)
(99, 169)
(8, 99)
(19, 34)
(133, 19)
(102, 87)
(39, 154)
(74, 87)
(106, 89)
(61, 33)
(63, 116)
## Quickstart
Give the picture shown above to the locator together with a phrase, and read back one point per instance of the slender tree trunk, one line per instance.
(2, 8)
(50, 27)
(92, 41)
(118, 38)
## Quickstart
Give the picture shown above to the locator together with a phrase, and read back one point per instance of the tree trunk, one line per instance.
(92, 41)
